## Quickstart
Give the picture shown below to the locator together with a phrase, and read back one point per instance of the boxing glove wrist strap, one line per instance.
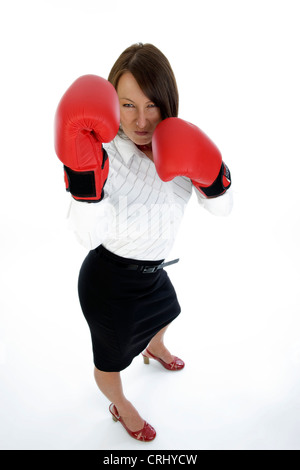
(219, 186)
(86, 185)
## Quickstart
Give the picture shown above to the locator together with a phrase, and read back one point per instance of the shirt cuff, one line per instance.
(219, 206)
(91, 222)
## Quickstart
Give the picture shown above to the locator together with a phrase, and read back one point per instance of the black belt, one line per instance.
(146, 269)
(151, 269)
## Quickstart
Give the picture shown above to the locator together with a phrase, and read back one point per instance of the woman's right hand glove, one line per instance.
(88, 115)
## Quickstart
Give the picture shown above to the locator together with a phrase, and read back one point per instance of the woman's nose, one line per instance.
(141, 120)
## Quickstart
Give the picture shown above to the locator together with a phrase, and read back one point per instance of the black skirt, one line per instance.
(124, 309)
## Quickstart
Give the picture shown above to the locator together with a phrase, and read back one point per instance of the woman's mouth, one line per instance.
(141, 133)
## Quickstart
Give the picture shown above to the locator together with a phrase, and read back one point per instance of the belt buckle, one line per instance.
(149, 269)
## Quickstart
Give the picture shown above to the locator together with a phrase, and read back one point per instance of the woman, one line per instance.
(125, 294)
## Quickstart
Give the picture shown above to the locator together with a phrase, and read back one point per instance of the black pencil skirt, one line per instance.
(124, 309)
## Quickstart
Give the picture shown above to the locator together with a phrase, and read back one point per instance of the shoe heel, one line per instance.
(146, 360)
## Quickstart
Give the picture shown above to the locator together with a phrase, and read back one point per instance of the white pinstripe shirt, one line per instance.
(140, 214)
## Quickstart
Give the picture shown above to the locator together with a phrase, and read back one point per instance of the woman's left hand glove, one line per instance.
(182, 149)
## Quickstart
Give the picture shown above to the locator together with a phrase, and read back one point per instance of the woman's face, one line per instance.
(139, 115)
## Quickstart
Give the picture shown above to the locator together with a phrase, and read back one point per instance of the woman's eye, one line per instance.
(128, 105)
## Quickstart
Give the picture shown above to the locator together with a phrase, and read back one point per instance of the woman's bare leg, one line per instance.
(110, 385)
(157, 347)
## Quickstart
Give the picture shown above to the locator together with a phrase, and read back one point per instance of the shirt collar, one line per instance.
(126, 148)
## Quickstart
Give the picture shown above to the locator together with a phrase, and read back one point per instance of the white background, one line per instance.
(237, 67)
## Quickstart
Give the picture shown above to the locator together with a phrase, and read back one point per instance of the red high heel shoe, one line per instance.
(177, 364)
(146, 434)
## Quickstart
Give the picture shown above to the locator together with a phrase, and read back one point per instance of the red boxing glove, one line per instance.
(88, 114)
(182, 149)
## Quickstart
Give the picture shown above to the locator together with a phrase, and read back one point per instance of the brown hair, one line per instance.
(153, 73)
